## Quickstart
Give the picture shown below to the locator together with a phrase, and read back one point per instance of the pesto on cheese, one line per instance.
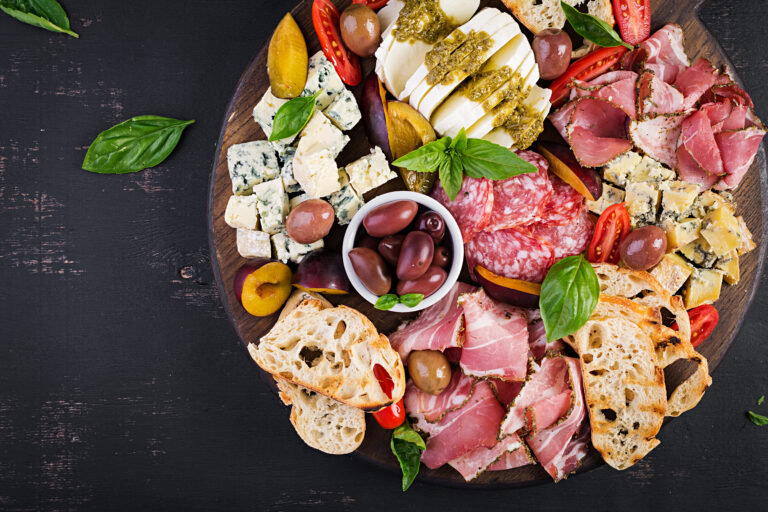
(449, 62)
(522, 123)
(422, 20)
(482, 84)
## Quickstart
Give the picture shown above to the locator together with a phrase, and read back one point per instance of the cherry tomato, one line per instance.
(392, 416)
(325, 18)
(634, 18)
(703, 321)
(612, 227)
(385, 380)
(373, 4)
(586, 68)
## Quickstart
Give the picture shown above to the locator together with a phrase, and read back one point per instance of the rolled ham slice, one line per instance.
(596, 131)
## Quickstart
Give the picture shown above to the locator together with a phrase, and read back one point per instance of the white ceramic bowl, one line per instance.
(451, 227)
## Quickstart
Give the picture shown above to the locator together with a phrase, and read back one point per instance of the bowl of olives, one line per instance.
(403, 243)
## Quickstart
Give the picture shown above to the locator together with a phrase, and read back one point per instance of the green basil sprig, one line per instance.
(460, 156)
(592, 28)
(407, 446)
(757, 419)
(133, 145)
(293, 116)
(761, 400)
(47, 14)
(388, 301)
(569, 295)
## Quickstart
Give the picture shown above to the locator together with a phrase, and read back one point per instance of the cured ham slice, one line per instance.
(472, 206)
(505, 392)
(691, 172)
(732, 92)
(561, 118)
(537, 342)
(563, 206)
(568, 239)
(657, 136)
(496, 339)
(512, 460)
(738, 149)
(694, 81)
(596, 131)
(473, 425)
(560, 447)
(438, 327)
(654, 96)
(511, 253)
(474, 462)
(621, 93)
(666, 55)
(717, 113)
(699, 141)
(429, 410)
(612, 77)
(516, 200)
(634, 60)
(736, 120)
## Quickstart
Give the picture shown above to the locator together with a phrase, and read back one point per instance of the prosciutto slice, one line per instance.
(560, 447)
(474, 462)
(699, 141)
(690, 171)
(717, 113)
(537, 341)
(561, 118)
(694, 81)
(429, 410)
(621, 92)
(505, 392)
(738, 149)
(473, 425)
(438, 327)
(496, 343)
(596, 131)
(736, 120)
(665, 53)
(657, 136)
(654, 96)
(512, 460)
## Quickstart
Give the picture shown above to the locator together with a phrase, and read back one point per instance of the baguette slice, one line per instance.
(322, 423)
(331, 351)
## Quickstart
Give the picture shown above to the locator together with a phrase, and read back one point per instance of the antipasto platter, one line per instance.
(552, 267)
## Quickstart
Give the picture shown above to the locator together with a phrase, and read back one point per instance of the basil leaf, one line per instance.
(484, 159)
(761, 400)
(459, 144)
(451, 175)
(386, 302)
(293, 116)
(427, 158)
(412, 299)
(569, 295)
(133, 145)
(47, 14)
(757, 419)
(592, 28)
(407, 446)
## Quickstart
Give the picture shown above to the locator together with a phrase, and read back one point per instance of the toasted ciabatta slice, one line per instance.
(331, 351)
(324, 424)
(623, 387)
(297, 297)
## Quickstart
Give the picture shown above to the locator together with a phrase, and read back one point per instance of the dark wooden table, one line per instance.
(122, 385)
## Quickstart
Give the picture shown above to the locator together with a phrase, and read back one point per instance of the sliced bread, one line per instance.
(331, 351)
(324, 424)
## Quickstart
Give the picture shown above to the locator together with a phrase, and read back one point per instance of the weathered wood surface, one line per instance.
(122, 386)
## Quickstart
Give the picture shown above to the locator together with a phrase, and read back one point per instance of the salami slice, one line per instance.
(516, 200)
(563, 204)
(567, 240)
(511, 253)
(472, 207)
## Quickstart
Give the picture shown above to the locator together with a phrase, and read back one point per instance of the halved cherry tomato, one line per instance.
(325, 18)
(385, 380)
(703, 321)
(373, 4)
(586, 68)
(392, 416)
(612, 227)
(634, 18)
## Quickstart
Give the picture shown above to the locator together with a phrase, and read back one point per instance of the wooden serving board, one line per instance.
(239, 126)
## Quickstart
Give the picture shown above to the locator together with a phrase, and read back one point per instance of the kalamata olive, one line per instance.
(415, 255)
(310, 221)
(552, 48)
(371, 269)
(442, 257)
(643, 247)
(432, 224)
(427, 284)
(429, 370)
(360, 29)
(368, 242)
(390, 218)
(389, 248)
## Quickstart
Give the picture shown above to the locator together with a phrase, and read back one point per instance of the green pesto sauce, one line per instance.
(465, 59)
(517, 119)
(422, 20)
(481, 85)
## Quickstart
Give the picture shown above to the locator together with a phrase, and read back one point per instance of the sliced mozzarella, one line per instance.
(478, 22)
(459, 111)
(537, 101)
(459, 11)
(388, 15)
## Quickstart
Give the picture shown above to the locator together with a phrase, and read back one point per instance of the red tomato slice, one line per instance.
(612, 227)
(385, 380)
(373, 4)
(325, 18)
(703, 321)
(392, 416)
(586, 68)
(634, 18)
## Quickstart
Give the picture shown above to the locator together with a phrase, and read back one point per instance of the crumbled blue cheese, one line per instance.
(700, 253)
(287, 249)
(272, 204)
(618, 170)
(322, 75)
(649, 170)
(344, 112)
(264, 114)
(317, 173)
(642, 200)
(286, 170)
(320, 133)
(677, 198)
(346, 202)
(610, 196)
(370, 171)
(242, 212)
(253, 244)
(297, 200)
(251, 163)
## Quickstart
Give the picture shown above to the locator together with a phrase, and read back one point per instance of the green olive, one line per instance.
(429, 370)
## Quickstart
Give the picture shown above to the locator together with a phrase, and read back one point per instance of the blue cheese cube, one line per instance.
(344, 112)
(322, 76)
(642, 200)
(317, 173)
(610, 196)
(618, 170)
(264, 114)
(370, 171)
(318, 134)
(649, 170)
(286, 171)
(272, 204)
(346, 202)
(251, 163)
(253, 244)
(677, 198)
(242, 212)
(297, 200)
(287, 249)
